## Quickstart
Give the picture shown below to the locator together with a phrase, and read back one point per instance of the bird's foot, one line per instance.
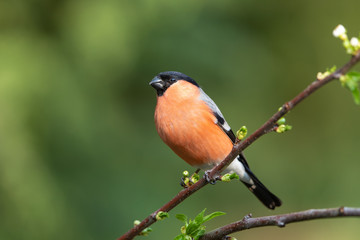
(211, 180)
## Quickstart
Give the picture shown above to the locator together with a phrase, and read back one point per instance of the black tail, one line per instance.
(258, 189)
(261, 192)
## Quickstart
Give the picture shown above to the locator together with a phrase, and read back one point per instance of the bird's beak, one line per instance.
(157, 83)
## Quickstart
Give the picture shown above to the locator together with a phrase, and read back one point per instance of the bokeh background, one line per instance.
(79, 154)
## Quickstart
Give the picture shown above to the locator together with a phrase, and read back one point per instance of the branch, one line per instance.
(280, 220)
(268, 125)
(240, 146)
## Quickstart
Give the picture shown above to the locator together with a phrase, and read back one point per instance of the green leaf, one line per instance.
(181, 217)
(355, 75)
(351, 81)
(351, 85)
(146, 231)
(161, 215)
(283, 128)
(199, 234)
(192, 227)
(356, 95)
(241, 133)
(228, 177)
(332, 69)
(195, 178)
(180, 237)
(281, 121)
(200, 216)
(212, 215)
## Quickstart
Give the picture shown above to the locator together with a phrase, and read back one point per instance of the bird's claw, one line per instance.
(209, 179)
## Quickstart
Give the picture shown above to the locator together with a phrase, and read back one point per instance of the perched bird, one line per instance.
(191, 124)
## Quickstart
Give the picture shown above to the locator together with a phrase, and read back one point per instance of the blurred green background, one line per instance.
(79, 154)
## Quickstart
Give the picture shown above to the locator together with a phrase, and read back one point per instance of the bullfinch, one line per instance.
(191, 124)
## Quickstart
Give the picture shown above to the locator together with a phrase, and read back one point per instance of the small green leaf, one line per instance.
(350, 84)
(161, 215)
(186, 181)
(146, 231)
(355, 75)
(195, 178)
(199, 234)
(356, 96)
(228, 177)
(234, 176)
(212, 215)
(181, 217)
(283, 128)
(332, 69)
(281, 121)
(351, 81)
(192, 227)
(179, 237)
(241, 133)
(200, 216)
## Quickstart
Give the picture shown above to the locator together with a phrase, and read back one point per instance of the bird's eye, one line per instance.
(172, 80)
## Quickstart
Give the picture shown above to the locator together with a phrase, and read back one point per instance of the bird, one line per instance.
(192, 125)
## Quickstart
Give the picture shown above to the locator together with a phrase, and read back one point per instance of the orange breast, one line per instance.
(187, 125)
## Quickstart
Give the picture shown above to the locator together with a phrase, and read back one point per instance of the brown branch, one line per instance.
(268, 125)
(280, 220)
(240, 146)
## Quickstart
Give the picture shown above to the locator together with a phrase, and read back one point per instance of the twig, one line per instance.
(280, 220)
(284, 109)
(240, 146)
